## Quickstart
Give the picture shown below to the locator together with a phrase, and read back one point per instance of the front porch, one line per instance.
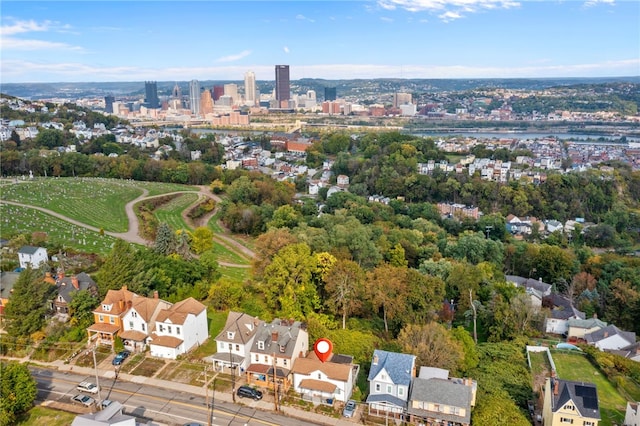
(263, 376)
(318, 392)
(102, 334)
(134, 341)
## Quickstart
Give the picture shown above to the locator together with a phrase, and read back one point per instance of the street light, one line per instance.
(233, 375)
(95, 367)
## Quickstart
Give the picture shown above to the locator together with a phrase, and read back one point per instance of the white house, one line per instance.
(610, 338)
(324, 382)
(632, 416)
(111, 415)
(33, 257)
(390, 378)
(139, 321)
(235, 340)
(179, 328)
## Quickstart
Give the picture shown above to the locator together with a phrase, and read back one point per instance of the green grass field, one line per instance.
(225, 253)
(576, 367)
(236, 274)
(18, 220)
(171, 213)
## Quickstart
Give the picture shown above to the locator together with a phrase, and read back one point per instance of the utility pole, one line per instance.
(206, 393)
(475, 314)
(275, 383)
(233, 376)
(95, 367)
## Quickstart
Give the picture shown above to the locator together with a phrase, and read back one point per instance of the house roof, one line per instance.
(178, 312)
(110, 415)
(166, 341)
(584, 396)
(333, 370)
(528, 283)
(136, 335)
(146, 307)
(29, 250)
(562, 308)
(586, 323)
(386, 399)
(445, 392)
(268, 370)
(242, 326)
(608, 331)
(104, 328)
(318, 385)
(400, 367)
(113, 298)
(66, 289)
(279, 337)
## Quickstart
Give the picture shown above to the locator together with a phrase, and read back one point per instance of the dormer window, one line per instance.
(282, 349)
(106, 307)
(230, 335)
(261, 344)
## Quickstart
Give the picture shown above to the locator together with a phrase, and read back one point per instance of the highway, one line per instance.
(164, 406)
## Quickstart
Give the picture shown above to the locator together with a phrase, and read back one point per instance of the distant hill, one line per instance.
(34, 91)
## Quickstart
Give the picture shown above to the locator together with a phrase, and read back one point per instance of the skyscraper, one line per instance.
(194, 96)
(151, 94)
(217, 92)
(250, 88)
(231, 90)
(108, 104)
(283, 89)
(330, 94)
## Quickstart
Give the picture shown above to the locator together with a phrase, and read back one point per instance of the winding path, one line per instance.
(132, 235)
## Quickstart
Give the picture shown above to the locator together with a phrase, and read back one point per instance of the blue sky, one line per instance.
(51, 41)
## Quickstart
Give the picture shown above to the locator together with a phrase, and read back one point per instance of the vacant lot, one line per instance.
(45, 416)
(148, 367)
(576, 367)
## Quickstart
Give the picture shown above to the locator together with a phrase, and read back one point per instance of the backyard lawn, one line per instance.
(45, 416)
(576, 367)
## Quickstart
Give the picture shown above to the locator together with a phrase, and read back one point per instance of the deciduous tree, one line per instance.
(344, 285)
(433, 346)
(17, 391)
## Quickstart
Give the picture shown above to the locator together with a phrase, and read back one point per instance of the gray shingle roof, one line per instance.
(563, 308)
(400, 367)
(386, 398)
(443, 392)
(608, 331)
(583, 395)
(28, 249)
(528, 283)
(67, 290)
(286, 333)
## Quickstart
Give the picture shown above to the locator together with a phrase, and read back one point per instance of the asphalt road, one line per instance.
(161, 405)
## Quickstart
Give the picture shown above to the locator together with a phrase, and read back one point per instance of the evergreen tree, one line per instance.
(166, 240)
(28, 306)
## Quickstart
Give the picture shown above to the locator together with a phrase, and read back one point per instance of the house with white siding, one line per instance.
(234, 342)
(179, 328)
(390, 378)
(325, 382)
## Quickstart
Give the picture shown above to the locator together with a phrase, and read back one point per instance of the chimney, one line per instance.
(606, 334)
(121, 304)
(274, 336)
(75, 282)
(375, 360)
(129, 304)
(556, 388)
(155, 294)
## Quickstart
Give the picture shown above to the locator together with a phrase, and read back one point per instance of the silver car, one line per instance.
(85, 400)
(349, 409)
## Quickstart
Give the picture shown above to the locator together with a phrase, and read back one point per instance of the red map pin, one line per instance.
(323, 348)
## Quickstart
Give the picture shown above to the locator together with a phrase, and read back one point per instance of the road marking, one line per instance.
(168, 402)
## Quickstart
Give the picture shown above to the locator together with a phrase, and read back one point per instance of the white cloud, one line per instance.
(386, 19)
(591, 3)
(450, 9)
(10, 43)
(286, 49)
(301, 17)
(237, 56)
(19, 27)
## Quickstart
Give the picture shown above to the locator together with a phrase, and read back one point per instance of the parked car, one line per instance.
(85, 400)
(87, 387)
(249, 392)
(120, 357)
(193, 424)
(349, 409)
(105, 403)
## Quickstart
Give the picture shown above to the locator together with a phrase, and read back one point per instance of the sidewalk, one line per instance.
(199, 390)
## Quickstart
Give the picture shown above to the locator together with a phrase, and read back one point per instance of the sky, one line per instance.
(86, 41)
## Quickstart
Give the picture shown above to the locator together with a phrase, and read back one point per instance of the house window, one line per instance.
(169, 329)
(178, 330)
(257, 357)
(143, 327)
(436, 408)
(389, 389)
(319, 376)
(161, 328)
(237, 348)
(101, 318)
(266, 359)
(105, 308)
(131, 325)
(566, 420)
(588, 423)
(569, 407)
(454, 410)
(284, 362)
(134, 314)
(261, 344)
(112, 320)
(230, 334)
(378, 387)
(400, 391)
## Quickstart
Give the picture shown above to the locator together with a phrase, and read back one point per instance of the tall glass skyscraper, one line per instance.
(194, 96)
(151, 94)
(283, 88)
(250, 88)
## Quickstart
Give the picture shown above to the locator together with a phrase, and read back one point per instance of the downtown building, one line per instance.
(283, 86)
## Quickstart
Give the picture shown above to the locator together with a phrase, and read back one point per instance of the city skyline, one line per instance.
(54, 41)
